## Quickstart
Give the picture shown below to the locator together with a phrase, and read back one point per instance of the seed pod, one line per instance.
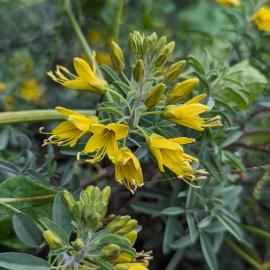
(174, 71)
(118, 223)
(117, 57)
(154, 95)
(52, 239)
(182, 89)
(168, 49)
(138, 71)
(132, 43)
(110, 252)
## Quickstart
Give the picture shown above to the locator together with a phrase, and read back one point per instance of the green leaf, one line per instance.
(105, 265)
(146, 208)
(208, 251)
(196, 64)
(192, 227)
(173, 211)
(50, 225)
(20, 187)
(173, 264)
(27, 230)
(231, 139)
(22, 261)
(191, 198)
(182, 243)
(61, 214)
(169, 234)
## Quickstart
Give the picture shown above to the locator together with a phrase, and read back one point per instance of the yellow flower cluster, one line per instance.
(229, 2)
(110, 139)
(262, 19)
(31, 91)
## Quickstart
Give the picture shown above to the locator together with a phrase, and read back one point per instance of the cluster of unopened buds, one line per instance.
(154, 90)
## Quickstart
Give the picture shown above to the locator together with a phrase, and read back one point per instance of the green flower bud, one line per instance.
(161, 43)
(52, 239)
(105, 195)
(174, 71)
(132, 43)
(160, 60)
(168, 49)
(182, 89)
(117, 57)
(78, 244)
(121, 267)
(154, 95)
(110, 252)
(138, 71)
(118, 223)
(68, 200)
(130, 226)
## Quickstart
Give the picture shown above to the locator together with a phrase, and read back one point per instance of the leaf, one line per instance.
(50, 225)
(173, 211)
(146, 208)
(61, 214)
(27, 230)
(231, 139)
(191, 196)
(169, 234)
(22, 261)
(173, 264)
(105, 265)
(182, 243)
(192, 227)
(8, 168)
(20, 187)
(196, 64)
(208, 251)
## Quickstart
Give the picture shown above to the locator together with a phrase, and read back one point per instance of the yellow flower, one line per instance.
(262, 19)
(71, 130)
(94, 37)
(169, 153)
(2, 86)
(229, 2)
(188, 114)
(86, 78)
(128, 170)
(132, 266)
(104, 58)
(31, 91)
(104, 141)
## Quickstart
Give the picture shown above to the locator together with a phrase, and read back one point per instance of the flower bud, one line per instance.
(52, 239)
(160, 60)
(110, 252)
(154, 95)
(117, 57)
(132, 236)
(174, 71)
(68, 199)
(168, 49)
(161, 43)
(182, 89)
(118, 223)
(130, 226)
(132, 43)
(105, 195)
(138, 71)
(78, 244)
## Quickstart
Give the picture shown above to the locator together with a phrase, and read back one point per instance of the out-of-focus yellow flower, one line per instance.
(104, 141)
(70, 131)
(10, 102)
(104, 58)
(31, 91)
(2, 86)
(131, 266)
(188, 114)
(170, 153)
(262, 19)
(86, 78)
(229, 2)
(128, 170)
(94, 37)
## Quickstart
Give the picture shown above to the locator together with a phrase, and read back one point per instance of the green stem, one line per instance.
(257, 231)
(243, 254)
(118, 21)
(153, 112)
(79, 32)
(26, 199)
(34, 116)
(10, 207)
